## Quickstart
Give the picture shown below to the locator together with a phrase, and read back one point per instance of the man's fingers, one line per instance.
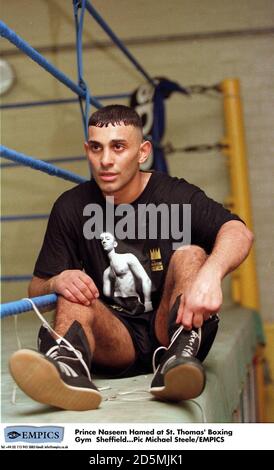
(76, 286)
(84, 289)
(90, 285)
(69, 296)
(180, 310)
(198, 320)
(78, 295)
(187, 318)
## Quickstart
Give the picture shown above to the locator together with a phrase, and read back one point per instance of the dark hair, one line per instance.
(115, 114)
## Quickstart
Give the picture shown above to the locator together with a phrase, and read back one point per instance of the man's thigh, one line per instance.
(114, 346)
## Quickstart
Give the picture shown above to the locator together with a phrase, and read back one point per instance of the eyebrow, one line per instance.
(113, 141)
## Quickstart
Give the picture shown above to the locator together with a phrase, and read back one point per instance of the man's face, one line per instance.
(107, 241)
(114, 153)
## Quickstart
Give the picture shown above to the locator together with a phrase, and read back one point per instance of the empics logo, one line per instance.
(34, 434)
(13, 434)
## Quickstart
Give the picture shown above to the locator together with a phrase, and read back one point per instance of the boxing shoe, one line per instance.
(59, 374)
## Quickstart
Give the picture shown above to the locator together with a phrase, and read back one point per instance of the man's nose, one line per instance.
(107, 158)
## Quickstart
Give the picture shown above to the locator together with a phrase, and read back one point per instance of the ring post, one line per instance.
(245, 287)
(244, 279)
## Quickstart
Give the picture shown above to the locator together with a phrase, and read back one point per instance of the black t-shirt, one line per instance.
(129, 254)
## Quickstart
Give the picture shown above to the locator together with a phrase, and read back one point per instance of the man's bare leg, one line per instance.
(180, 374)
(108, 338)
(183, 268)
(59, 375)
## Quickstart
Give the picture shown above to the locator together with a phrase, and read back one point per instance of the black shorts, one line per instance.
(142, 331)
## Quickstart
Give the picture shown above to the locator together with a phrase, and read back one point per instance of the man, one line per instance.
(94, 328)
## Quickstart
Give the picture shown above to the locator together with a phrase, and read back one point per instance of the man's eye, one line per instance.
(118, 146)
(94, 148)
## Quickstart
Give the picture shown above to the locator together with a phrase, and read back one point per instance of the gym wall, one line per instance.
(215, 40)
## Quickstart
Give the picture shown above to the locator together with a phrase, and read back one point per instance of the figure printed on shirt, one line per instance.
(125, 280)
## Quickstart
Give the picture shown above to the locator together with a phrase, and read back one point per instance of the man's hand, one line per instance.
(202, 299)
(76, 286)
(204, 295)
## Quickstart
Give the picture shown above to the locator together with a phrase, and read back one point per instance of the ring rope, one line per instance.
(11, 36)
(16, 278)
(76, 158)
(31, 104)
(12, 308)
(79, 24)
(40, 165)
(14, 218)
(23, 305)
(94, 13)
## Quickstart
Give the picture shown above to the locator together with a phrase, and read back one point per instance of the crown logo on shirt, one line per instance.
(155, 253)
(156, 260)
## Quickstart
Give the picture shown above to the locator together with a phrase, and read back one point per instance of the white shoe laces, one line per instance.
(174, 336)
(154, 357)
(53, 353)
(188, 350)
(65, 368)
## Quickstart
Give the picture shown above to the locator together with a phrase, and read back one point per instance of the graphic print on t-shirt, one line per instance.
(125, 280)
(156, 259)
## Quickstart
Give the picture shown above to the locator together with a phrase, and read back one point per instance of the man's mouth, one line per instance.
(108, 176)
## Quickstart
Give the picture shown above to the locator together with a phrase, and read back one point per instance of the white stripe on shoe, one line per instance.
(39, 378)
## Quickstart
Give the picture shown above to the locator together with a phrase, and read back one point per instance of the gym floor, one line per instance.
(128, 400)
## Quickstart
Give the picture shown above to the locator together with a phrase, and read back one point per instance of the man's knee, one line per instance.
(74, 310)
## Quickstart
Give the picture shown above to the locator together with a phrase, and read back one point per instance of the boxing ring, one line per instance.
(232, 393)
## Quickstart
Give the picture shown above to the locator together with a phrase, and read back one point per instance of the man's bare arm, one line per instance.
(107, 282)
(141, 274)
(73, 284)
(40, 286)
(232, 245)
(204, 296)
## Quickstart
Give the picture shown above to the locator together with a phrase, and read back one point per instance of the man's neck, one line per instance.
(111, 253)
(131, 192)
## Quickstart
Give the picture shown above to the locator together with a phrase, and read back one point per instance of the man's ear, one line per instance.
(145, 151)
(86, 147)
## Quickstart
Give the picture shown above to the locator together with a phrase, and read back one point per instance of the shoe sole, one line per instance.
(182, 382)
(40, 380)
